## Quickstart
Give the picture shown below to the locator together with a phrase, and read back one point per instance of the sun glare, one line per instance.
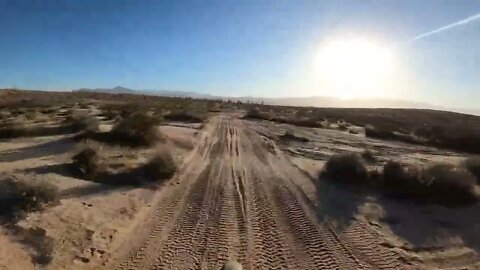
(354, 68)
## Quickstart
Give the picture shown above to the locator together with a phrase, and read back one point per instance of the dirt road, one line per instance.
(237, 197)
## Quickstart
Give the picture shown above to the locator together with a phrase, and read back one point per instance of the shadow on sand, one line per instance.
(40, 150)
(102, 183)
(424, 227)
(336, 204)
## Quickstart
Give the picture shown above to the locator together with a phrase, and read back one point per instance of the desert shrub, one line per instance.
(255, 113)
(290, 136)
(304, 122)
(68, 127)
(86, 163)
(379, 133)
(136, 130)
(442, 184)
(18, 196)
(472, 164)
(368, 156)
(85, 123)
(346, 169)
(161, 167)
(448, 185)
(343, 126)
(183, 116)
(30, 115)
(401, 181)
(110, 114)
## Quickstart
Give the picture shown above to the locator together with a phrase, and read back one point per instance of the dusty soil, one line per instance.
(239, 198)
(241, 194)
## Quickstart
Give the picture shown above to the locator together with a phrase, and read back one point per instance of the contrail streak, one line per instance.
(446, 27)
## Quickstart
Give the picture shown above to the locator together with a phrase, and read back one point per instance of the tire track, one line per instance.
(366, 242)
(239, 202)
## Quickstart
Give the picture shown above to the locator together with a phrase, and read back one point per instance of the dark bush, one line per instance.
(255, 113)
(183, 116)
(86, 163)
(304, 122)
(161, 167)
(346, 169)
(442, 184)
(70, 126)
(368, 156)
(135, 130)
(448, 185)
(379, 133)
(401, 181)
(473, 165)
(19, 196)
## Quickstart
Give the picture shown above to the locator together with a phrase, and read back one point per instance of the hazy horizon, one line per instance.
(264, 49)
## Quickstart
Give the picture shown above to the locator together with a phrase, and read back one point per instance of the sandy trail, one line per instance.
(238, 197)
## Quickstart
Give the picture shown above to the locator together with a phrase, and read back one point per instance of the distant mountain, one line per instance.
(123, 90)
(115, 90)
(313, 101)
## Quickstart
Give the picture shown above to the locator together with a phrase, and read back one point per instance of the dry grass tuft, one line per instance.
(18, 196)
(86, 163)
(136, 130)
(161, 166)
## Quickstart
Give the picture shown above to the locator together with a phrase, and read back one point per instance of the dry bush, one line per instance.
(161, 166)
(184, 116)
(86, 163)
(368, 156)
(255, 113)
(343, 126)
(442, 184)
(136, 130)
(68, 127)
(346, 169)
(18, 196)
(448, 185)
(304, 122)
(401, 181)
(473, 165)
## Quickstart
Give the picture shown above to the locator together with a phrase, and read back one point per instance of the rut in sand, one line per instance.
(236, 200)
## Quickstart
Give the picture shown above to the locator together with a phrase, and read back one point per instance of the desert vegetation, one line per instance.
(19, 196)
(443, 184)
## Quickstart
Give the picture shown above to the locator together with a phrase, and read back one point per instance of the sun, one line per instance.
(354, 68)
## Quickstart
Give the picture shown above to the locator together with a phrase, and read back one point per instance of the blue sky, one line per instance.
(260, 48)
